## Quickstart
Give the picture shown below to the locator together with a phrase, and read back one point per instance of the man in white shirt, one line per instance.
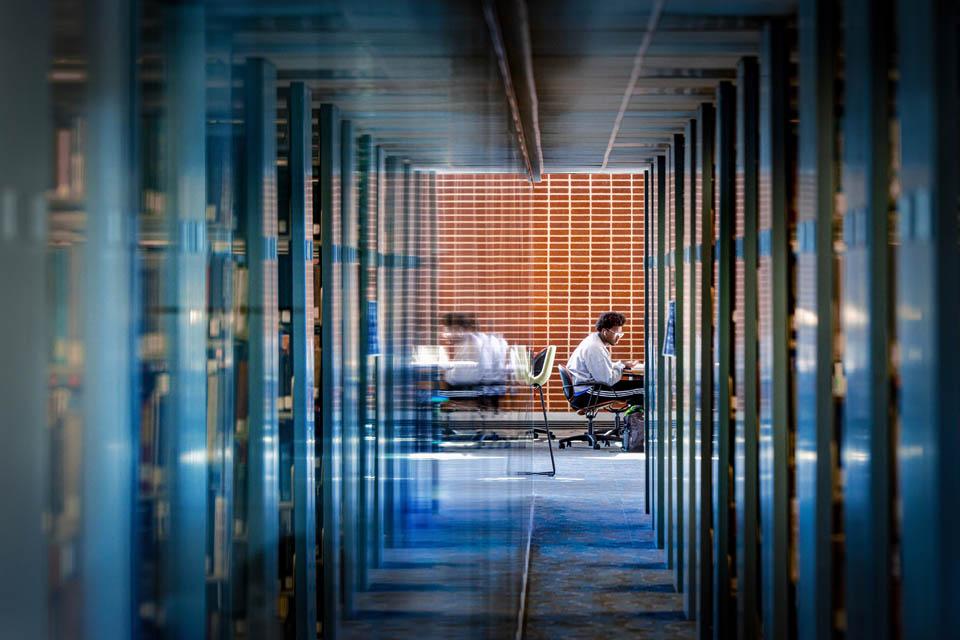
(463, 372)
(596, 376)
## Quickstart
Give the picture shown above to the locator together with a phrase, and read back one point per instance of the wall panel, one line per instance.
(580, 254)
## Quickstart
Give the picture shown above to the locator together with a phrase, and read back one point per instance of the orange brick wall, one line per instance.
(538, 263)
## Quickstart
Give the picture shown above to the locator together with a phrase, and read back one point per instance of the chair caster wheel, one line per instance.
(596, 446)
(562, 446)
(606, 443)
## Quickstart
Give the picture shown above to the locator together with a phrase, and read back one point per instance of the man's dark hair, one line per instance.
(610, 319)
(462, 321)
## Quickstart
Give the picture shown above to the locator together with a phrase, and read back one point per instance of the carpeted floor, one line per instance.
(454, 569)
(595, 571)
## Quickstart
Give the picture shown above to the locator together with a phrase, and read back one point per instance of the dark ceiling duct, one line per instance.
(510, 35)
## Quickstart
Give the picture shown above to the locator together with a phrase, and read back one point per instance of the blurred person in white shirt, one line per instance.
(463, 370)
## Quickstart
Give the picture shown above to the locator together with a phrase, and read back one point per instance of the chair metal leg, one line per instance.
(591, 436)
(546, 425)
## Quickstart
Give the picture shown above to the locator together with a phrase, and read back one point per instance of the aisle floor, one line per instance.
(595, 571)
(454, 568)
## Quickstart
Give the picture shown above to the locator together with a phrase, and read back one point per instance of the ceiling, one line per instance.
(420, 76)
(584, 58)
(424, 77)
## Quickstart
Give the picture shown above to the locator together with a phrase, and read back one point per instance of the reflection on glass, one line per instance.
(207, 248)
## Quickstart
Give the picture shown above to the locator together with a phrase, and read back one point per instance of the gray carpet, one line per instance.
(595, 571)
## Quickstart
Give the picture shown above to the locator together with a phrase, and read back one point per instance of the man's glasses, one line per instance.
(619, 334)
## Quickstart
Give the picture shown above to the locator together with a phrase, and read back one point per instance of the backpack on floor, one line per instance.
(633, 430)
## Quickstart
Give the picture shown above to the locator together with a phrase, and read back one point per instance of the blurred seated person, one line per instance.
(493, 358)
(478, 369)
(592, 364)
(493, 368)
(463, 370)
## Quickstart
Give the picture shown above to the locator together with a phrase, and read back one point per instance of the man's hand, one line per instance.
(632, 364)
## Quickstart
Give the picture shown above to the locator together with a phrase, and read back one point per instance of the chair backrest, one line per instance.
(543, 366)
(567, 381)
(520, 360)
(536, 366)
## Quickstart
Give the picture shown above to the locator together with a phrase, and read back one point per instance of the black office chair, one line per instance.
(590, 411)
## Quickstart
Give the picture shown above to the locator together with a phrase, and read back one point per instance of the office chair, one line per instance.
(591, 411)
(537, 376)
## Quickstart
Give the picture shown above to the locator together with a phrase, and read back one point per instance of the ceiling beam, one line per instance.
(634, 75)
(510, 34)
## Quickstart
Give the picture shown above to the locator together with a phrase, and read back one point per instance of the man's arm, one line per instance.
(601, 366)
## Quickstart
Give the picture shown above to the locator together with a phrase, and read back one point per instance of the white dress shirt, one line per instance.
(591, 363)
(464, 369)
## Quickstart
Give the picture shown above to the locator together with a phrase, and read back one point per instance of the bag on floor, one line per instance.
(633, 431)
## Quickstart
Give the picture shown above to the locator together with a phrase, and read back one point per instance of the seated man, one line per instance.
(591, 364)
(462, 374)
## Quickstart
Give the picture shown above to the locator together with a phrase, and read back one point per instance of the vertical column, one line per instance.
(184, 426)
(24, 177)
(263, 482)
(331, 366)
(677, 380)
(406, 250)
(927, 316)
(350, 318)
(815, 321)
(429, 308)
(381, 335)
(706, 119)
(393, 193)
(867, 319)
(653, 354)
(417, 224)
(661, 426)
(366, 371)
(109, 442)
(434, 213)
(745, 317)
(774, 293)
(649, 348)
(689, 385)
(670, 430)
(304, 440)
(223, 331)
(724, 609)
